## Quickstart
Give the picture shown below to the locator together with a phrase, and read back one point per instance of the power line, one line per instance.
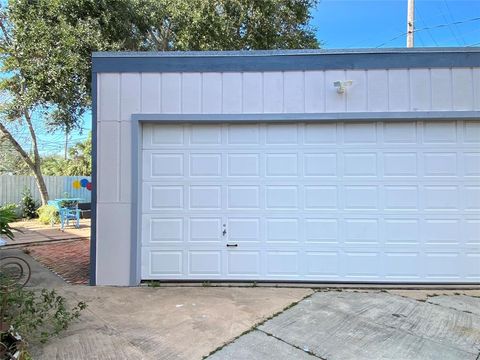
(429, 28)
(417, 10)
(454, 25)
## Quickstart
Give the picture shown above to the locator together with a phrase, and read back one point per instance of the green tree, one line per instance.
(45, 49)
(226, 24)
(80, 158)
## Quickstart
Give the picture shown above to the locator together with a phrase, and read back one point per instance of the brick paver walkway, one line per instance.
(68, 259)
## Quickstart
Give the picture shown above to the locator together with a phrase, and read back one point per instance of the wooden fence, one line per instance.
(12, 187)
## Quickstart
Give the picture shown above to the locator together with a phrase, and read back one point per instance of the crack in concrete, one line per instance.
(292, 345)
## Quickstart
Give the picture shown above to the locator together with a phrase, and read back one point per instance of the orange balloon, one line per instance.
(76, 184)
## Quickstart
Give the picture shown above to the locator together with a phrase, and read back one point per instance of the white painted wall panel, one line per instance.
(356, 95)
(294, 90)
(420, 90)
(192, 93)
(441, 89)
(462, 84)
(252, 92)
(232, 93)
(314, 91)
(334, 102)
(129, 95)
(377, 90)
(171, 100)
(211, 93)
(108, 97)
(398, 90)
(120, 95)
(108, 155)
(150, 95)
(476, 88)
(113, 244)
(273, 91)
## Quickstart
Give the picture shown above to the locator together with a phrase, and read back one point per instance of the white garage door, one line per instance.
(376, 201)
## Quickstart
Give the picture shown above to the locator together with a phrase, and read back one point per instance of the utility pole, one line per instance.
(410, 23)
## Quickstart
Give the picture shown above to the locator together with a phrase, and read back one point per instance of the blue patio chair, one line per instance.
(66, 214)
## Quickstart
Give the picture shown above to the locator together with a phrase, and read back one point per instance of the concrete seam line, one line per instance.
(309, 352)
(256, 325)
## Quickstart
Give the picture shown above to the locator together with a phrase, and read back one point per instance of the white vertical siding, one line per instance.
(120, 95)
(272, 91)
(150, 93)
(192, 93)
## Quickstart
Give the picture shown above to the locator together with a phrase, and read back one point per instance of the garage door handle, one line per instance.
(232, 245)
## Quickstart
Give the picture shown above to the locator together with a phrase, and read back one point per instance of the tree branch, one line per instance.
(7, 135)
(36, 155)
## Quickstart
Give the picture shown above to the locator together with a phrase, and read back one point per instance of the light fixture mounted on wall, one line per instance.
(342, 85)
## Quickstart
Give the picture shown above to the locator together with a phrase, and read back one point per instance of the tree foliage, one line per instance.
(45, 49)
(226, 24)
(78, 163)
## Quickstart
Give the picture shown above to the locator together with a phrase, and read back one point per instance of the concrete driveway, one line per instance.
(232, 323)
(366, 325)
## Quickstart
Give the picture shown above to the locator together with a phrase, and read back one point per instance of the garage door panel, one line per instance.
(162, 165)
(205, 197)
(401, 231)
(360, 197)
(281, 197)
(162, 197)
(472, 262)
(325, 264)
(360, 164)
(205, 135)
(282, 230)
(320, 164)
(207, 229)
(164, 263)
(438, 197)
(243, 165)
(401, 197)
(205, 263)
(471, 133)
(281, 134)
(471, 163)
(243, 134)
(439, 132)
(440, 164)
(362, 264)
(322, 231)
(399, 133)
(402, 265)
(161, 230)
(400, 164)
(282, 263)
(243, 197)
(441, 231)
(244, 263)
(444, 265)
(319, 201)
(361, 231)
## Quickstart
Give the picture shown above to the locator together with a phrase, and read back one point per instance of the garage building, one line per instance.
(298, 166)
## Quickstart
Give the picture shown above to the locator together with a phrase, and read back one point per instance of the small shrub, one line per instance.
(29, 205)
(48, 214)
(7, 215)
(32, 317)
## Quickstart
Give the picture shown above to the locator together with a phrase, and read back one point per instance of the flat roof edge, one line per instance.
(285, 60)
(286, 52)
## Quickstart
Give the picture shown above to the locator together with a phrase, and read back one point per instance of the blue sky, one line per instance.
(376, 23)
